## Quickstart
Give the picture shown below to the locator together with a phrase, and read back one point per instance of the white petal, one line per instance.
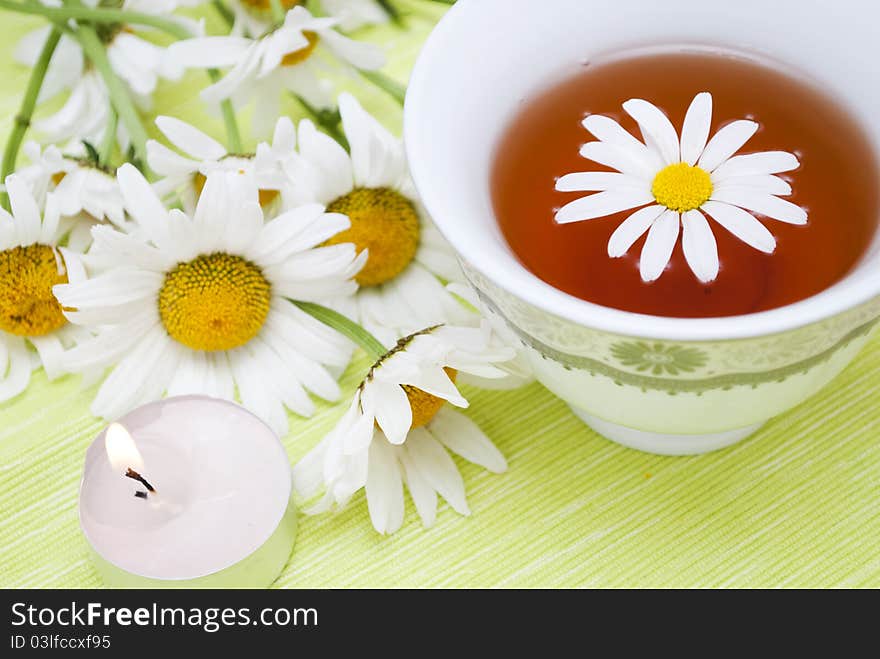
(659, 245)
(189, 139)
(766, 183)
(390, 405)
(423, 495)
(597, 182)
(631, 229)
(435, 381)
(112, 344)
(437, 468)
(726, 142)
(376, 155)
(602, 204)
(765, 204)
(699, 246)
(24, 210)
(741, 224)
(51, 219)
(656, 128)
(464, 437)
(143, 204)
(209, 52)
(333, 169)
(15, 378)
(695, 131)
(357, 53)
(384, 488)
(290, 232)
(256, 393)
(605, 129)
(246, 226)
(636, 163)
(756, 164)
(141, 375)
(166, 162)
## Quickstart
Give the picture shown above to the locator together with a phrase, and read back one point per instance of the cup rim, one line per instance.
(844, 295)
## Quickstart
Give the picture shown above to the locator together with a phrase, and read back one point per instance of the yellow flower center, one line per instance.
(27, 275)
(301, 55)
(424, 405)
(214, 302)
(266, 196)
(682, 187)
(386, 223)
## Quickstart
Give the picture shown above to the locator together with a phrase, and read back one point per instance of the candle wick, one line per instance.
(140, 494)
(131, 473)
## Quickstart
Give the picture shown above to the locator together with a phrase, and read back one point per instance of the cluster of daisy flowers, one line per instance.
(186, 266)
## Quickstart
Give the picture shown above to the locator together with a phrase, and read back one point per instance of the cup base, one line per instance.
(664, 444)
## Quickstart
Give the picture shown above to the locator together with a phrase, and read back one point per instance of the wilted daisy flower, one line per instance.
(199, 304)
(398, 429)
(399, 290)
(291, 57)
(31, 263)
(677, 180)
(184, 176)
(84, 192)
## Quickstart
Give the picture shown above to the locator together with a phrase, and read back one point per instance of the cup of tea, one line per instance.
(673, 206)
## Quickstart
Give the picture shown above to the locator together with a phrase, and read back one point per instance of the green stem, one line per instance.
(348, 328)
(233, 136)
(109, 140)
(327, 119)
(277, 11)
(391, 87)
(392, 11)
(224, 12)
(99, 15)
(26, 111)
(119, 96)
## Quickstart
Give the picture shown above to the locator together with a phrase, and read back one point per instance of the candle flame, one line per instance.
(121, 449)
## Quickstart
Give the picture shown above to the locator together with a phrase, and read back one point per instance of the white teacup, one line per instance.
(664, 385)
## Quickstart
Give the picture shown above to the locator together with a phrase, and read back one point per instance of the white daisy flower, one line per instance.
(79, 185)
(681, 179)
(399, 287)
(200, 304)
(285, 58)
(398, 429)
(31, 263)
(184, 176)
(84, 115)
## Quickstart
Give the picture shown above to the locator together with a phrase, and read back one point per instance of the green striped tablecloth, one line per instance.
(796, 505)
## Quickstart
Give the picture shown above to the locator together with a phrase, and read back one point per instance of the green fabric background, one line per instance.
(796, 505)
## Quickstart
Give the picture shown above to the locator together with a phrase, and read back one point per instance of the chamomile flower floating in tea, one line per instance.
(399, 427)
(682, 179)
(31, 263)
(199, 304)
(184, 175)
(289, 57)
(399, 287)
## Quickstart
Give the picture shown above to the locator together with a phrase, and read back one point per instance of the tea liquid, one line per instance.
(836, 183)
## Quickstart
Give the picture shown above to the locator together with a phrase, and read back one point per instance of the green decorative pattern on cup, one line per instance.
(658, 358)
